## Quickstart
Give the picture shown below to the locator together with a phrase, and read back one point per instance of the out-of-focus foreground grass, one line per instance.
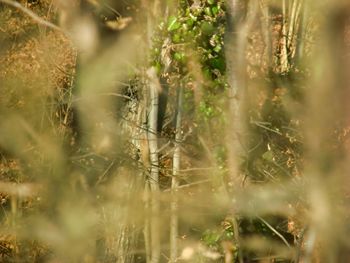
(74, 140)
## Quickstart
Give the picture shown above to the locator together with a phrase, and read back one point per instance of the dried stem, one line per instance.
(175, 182)
(154, 158)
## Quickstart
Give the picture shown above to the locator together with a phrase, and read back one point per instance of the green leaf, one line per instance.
(217, 48)
(268, 155)
(194, 18)
(209, 111)
(176, 38)
(207, 11)
(158, 67)
(217, 63)
(190, 22)
(215, 10)
(179, 56)
(207, 73)
(207, 28)
(173, 24)
(211, 2)
(185, 27)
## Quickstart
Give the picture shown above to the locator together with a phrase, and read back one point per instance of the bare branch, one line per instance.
(190, 184)
(275, 231)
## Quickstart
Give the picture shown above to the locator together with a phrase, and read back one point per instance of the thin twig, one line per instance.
(116, 95)
(164, 147)
(76, 99)
(265, 127)
(190, 184)
(275, 231)
(104, 173)
(194, 169)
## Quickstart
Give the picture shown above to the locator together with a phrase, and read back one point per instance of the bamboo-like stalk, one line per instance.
(291, 23)
(284, 64)
(302, 31)
(266, 31)
(294, 24)
(146, 229)
(152, 224)
(326, 87)
(174, 181)
(297, 23)
(234, 60)
(290, 7)
(236, 41)
(144, 151)
(154, 88)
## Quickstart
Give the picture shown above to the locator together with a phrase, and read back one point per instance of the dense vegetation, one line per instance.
(174, 131)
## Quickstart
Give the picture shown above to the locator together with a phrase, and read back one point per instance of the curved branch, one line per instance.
(275, 231)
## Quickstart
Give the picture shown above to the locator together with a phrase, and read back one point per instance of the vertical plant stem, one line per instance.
(294, 23)
(237, 239)
(144, 152)
(291, 22)
(175, 182)
(302, 31)
(152, 235)
(326, 88)
(284, 65)
(154, 87)
(146, 229)
(234, 64)
(266, 32)
(236, 41)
